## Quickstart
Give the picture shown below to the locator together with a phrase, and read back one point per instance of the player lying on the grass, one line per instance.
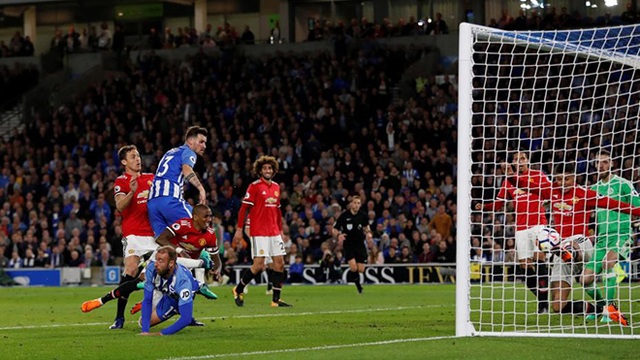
(169, 289)
(567, 263)
(572, 206)
(193, 239)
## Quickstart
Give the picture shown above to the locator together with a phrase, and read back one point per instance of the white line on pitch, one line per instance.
(325, 347)
(48, 326)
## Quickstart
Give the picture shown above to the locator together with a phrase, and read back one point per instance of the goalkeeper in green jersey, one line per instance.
(614, 234)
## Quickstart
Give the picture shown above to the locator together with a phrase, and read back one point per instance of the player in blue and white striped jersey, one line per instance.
(166, 203)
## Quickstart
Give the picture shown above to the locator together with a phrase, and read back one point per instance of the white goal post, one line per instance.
(562, 97)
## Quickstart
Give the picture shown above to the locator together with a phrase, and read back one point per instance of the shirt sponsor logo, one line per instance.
(563, 206)
(185, 294)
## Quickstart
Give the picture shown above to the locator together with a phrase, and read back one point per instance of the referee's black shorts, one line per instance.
(355, 251)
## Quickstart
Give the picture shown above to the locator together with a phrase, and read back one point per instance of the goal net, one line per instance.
(561, 98)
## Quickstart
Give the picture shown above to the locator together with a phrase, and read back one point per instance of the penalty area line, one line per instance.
(313, 348)
(49, 326)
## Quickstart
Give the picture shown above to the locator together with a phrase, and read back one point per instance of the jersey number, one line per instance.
(164, 166)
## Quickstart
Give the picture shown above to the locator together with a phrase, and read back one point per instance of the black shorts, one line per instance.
(355, 251)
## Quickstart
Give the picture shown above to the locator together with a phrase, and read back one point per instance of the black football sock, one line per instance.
(123, 290)
(542, 273)
(356, 278)
(578, 307)
(123, 299)
(277, 279)
(246, 279)
(531, 280)
(270, 279)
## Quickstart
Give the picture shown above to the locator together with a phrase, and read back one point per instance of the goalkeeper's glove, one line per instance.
(206, 259)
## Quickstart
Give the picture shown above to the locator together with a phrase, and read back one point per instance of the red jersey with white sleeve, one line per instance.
(135, 217)
(192, 240)
(264, 199)
(571, 209)
(528, 205)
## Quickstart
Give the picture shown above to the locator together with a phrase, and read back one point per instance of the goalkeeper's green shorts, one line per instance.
(605, 243)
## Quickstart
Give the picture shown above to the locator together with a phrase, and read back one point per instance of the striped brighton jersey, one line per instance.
(168, 180)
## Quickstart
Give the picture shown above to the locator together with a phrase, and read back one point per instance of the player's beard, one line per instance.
(603, 175)
(164, 273)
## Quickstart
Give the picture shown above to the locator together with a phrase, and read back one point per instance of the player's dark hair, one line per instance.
(193, 131)
(263, 160)
(169, 250)
(606, 153)
(565, 168)
(123, 151)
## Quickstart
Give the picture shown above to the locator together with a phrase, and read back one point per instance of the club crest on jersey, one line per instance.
(202, 242)
(349, 226)
(131, 251)
(276, 193)
(149, 182)
(575, 200)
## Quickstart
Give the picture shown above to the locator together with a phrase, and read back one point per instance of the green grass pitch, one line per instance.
(326, 322)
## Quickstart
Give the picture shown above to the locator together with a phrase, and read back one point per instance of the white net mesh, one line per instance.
(566, 97)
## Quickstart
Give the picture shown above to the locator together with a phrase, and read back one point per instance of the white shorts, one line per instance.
(138, 245)
(267, 246)
(562, 271)
(526, 242)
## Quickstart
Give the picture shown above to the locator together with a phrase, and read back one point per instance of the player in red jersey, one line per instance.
(131, 190)
(572, 207)
(530, 219)
(191, 237)
(262, 204)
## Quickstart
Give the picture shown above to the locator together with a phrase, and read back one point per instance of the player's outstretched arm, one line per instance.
(147, 302)
(186, 316)
(594, 200)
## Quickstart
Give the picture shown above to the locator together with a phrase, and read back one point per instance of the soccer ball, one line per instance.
(548, 239)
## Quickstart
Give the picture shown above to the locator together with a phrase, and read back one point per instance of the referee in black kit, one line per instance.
(350, 229)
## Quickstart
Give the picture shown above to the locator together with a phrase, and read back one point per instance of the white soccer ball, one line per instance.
(548, 238)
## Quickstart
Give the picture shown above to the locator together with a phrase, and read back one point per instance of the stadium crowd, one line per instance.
(551, 19)
(399, 156)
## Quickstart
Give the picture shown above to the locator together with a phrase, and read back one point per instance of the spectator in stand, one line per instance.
(442, 222)
(296, 270)
(15, 261)
(104, 38)
(248, 38)
(629, 16)
(42, 260)
(71, 40)
(438, 26)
